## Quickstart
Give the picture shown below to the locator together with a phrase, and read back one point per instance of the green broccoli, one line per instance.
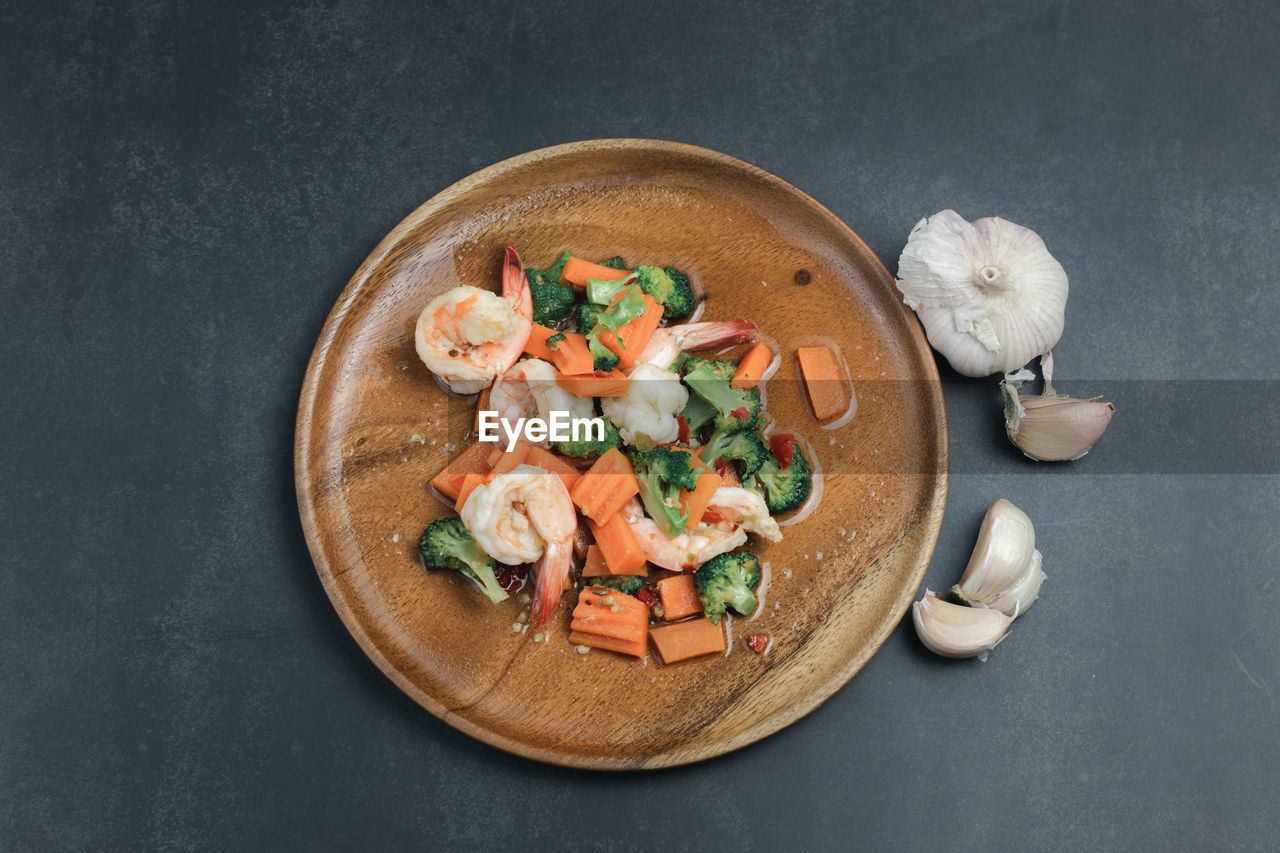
(626, 584)
(447, 544)
(728, 580)
(589, 449)
(736, 408)
(670, 288)
(552, 301)
(743, 446)
(614, 263)
(661, 472)
(783, 489)
(588, 314)
(600, 292)
(688, 361)
(603, 357)
(697, 413)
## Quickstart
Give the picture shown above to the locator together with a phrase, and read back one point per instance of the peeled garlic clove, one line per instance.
(956, 631)
(1054, 429)
(989, 294)
(1001, 574)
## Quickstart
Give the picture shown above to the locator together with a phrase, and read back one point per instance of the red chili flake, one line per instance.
(688, 567)
(683, 436)
(783, 447)
(740, 413)
(821, 618)
(720, 465)
(758, 643)
(646, 595)
(711, 516)
(510, 578)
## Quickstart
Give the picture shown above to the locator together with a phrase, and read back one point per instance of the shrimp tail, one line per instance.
(515, 285)
(723, 333)
(553, 569)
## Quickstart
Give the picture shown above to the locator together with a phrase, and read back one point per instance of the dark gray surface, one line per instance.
(184, 190)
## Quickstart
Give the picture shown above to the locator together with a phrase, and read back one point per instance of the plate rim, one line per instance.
(303, 474)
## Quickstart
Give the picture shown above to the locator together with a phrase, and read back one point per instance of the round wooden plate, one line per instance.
(373, 427)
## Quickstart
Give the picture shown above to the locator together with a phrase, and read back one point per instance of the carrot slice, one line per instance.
(470, 461)
(605, 487)
(599, 383)
(572, 356)
(469, 484)
(594, 566)
(576, 272)
(635, 334)
(823, 381)
(536, 346)
(503, 460)
(684, 640)
(631, 647)
(679, 597)
(548, 461)
(482, 405)
(618, 546)
(696, 502)
(752, 366)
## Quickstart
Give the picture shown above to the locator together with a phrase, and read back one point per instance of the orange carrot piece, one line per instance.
(605, 621)
(594, 566)
(482, 404)
(751, 368)
(503, 460)
(679, 597)
(599, 383)
(548, 461)
(635, 333)
(823, 381)
(631, 647)
(605, 487)
(572, 356)
(469, 484)
(618, 546)
(470, 461)
(576, 272)
(696, 502)
(536, 346)
(684, 640)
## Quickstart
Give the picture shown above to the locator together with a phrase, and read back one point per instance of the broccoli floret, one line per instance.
(743, 446)
(669, 287)
(589, 449)
(552, 301)
(614, 263)
(697, 413)
(783, 489)
(661, 472)
(706, 379)
(687, 362)
(728, 580)
(626, 584)
(447, 544)
(603, 358)
(588, 314)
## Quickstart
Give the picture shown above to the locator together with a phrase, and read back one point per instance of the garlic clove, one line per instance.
(1004, 568)
(956, 631)
(1054, 429)
(989, 294)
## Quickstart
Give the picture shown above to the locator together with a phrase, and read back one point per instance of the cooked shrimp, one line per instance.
(668, 341)
(689, 549)
(745, 509)
(529, 387)
(468, 336)
(654, 397)
(520, 516)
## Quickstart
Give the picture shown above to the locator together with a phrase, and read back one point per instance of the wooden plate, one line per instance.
(373, 427)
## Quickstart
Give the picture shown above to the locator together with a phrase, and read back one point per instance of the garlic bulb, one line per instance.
(989, 294)
(1051, 428)
(1004, 570)
(956, 631)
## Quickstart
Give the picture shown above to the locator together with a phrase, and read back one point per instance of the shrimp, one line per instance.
(745, 509)
(668, 341)
(521, 516)
(654, 397)
(686, 551)
(529, 387)
(468, 336)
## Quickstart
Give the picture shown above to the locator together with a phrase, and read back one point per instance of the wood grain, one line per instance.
(373, 427)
